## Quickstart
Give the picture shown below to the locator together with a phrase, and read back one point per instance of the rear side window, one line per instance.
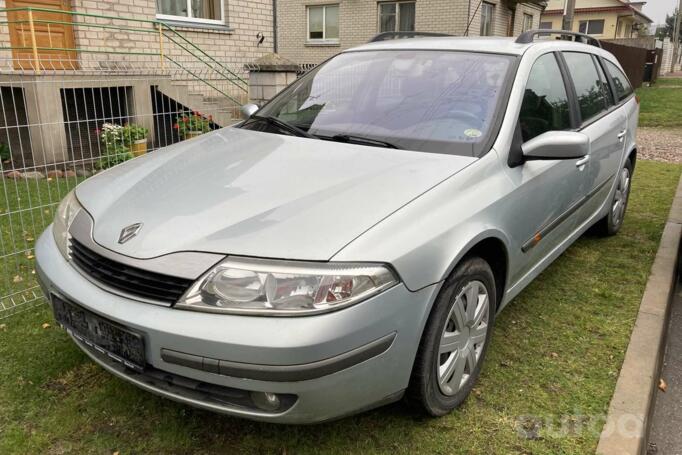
(620, 81)
(603, 82)
(588, 86)
(545, 103)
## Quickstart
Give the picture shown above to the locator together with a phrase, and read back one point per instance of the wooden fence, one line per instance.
(635, 61)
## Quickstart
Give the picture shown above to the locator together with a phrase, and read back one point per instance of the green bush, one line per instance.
(132, 132)
(114, 156)
(192, 123)
(5, 152)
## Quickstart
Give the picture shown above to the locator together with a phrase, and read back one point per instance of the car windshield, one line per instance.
(433, 101)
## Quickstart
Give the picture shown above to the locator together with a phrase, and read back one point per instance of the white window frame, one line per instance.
(324, 39)
(196, 20)
(397, 14)
(587, 26)
(492, 18)
(526, 17)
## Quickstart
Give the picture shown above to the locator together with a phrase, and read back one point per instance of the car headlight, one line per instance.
(285, 288)
(66, 212)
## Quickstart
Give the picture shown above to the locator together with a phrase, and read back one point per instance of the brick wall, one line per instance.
(358, 22)
(526, 8)
(234, 44)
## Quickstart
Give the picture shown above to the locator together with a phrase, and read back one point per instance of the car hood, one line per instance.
(248, 193)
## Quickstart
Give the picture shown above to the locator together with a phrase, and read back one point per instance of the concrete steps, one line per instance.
(200, 97)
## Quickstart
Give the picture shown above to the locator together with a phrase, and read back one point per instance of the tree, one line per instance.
(667, 30)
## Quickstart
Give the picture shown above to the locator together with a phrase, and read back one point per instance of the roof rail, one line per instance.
(527, 37)
(385, 36)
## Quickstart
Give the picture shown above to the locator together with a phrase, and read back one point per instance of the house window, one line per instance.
(527, 22)
(396, 17)
(323, 23)
(209, 11)
(592, 27)
(487, 10)
(546, 25)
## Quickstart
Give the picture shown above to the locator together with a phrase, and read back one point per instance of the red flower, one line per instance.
(185, 119)
(176, 126)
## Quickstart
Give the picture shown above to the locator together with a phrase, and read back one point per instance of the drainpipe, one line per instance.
(274, 26)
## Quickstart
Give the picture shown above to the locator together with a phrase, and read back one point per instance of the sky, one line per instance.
(657, 9)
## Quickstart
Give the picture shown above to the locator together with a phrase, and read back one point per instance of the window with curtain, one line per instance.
(323, 23)
(191, 10)
(396, 17)
(487, 11)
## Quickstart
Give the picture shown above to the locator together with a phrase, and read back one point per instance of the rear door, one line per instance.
(603, 121)
(624, 95)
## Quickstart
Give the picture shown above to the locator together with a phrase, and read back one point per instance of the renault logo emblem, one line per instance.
(129, 232)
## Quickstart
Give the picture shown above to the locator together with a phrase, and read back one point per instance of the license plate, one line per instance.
(104, 336)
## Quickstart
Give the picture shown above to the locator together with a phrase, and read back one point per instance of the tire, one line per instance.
(613, 221)
(436, 385)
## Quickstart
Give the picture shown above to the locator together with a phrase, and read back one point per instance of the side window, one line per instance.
(603, 82)
(588, 86)
(545, 103)
(620, 81)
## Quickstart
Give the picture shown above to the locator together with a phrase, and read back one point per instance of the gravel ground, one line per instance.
(660, 144)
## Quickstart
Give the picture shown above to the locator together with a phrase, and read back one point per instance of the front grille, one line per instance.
(127, 279)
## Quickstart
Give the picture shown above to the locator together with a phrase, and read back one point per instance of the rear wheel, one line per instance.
(612, 222)
(455, 339)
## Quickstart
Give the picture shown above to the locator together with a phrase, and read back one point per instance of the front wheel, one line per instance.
(613, 221)
(455, 339)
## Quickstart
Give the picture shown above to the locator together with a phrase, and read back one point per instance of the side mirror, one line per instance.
(556, 145)
(248, 110)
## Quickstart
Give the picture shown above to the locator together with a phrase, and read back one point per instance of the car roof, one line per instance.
(497, 45)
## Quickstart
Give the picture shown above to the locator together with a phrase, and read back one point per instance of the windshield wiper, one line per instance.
(361, 140)
(282, 124)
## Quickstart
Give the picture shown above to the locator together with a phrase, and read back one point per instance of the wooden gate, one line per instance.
(42, 40)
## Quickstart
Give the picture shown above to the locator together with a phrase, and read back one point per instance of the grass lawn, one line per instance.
(660, 104)
(556, 352)
(26, 208)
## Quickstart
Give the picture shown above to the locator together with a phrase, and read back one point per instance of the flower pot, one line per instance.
(139, 147)
(191, 134)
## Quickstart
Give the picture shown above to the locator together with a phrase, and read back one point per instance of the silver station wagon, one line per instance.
(350, 242)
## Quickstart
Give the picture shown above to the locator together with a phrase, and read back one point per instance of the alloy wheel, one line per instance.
(620, 199)
(464, 335)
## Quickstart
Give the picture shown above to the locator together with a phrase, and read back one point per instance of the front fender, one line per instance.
(425, 239)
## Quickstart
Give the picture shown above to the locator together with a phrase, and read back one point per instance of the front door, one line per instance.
(550, 191)
(49, 44)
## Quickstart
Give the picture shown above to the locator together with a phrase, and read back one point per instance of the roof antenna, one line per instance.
(471, 19)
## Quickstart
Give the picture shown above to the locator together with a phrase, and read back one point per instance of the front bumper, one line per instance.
(260, 354)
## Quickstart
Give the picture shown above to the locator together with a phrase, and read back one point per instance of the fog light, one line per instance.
(265, 400)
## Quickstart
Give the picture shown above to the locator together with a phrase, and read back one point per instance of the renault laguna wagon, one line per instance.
(350, 242)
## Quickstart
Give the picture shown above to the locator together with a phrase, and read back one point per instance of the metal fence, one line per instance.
(63, 119)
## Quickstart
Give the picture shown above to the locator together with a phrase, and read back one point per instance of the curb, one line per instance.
(627, 423)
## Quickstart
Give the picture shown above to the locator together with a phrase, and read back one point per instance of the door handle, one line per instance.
(582, 161)
(621, 135)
